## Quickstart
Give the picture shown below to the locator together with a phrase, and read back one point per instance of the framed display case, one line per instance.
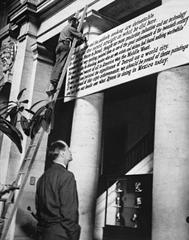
(128, 207)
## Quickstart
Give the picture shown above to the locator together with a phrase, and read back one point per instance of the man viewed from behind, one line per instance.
(57, 199)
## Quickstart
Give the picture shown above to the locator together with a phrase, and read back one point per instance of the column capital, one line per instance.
(41, 53)
(96, 24)
(8, 31)
(27, 28)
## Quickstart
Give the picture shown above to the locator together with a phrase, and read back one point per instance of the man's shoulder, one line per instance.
(70, 173)
(69, 28)
(57, 170)
(64, 175)
(53, 170)
(66, 28)
(62, 170)
(57, 173)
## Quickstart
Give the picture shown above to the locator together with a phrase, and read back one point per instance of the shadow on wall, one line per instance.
(26, 225)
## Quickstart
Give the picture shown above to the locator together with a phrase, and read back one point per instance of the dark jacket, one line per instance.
(57, 204)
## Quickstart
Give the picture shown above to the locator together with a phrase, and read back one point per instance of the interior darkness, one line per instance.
(123, 11)
(129, 112)
(63, 114)
(5, 92)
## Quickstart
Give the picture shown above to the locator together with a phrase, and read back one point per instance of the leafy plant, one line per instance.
(12, 132)
(41, 118)
(13, 112)
(13, 108)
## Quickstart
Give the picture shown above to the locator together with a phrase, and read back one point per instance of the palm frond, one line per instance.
(20, 94)
(12, 132)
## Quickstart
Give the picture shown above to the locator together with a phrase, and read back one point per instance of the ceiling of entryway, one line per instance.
(123, 10)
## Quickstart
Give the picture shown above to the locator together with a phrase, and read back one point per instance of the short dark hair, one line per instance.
(55, 148)
(72, 19)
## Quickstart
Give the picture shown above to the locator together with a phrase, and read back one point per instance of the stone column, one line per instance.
(40, 76)
(171, 155)
(86, 143)
(7, 60)
(21, 78)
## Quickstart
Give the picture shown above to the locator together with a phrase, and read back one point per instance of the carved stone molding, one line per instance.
(41, 53)
(26, 11)
(7, 58)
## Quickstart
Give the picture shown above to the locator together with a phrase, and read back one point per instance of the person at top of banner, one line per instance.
(68, 33)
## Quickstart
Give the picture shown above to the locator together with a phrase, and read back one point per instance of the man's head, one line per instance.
(73, 21)
(60, 152)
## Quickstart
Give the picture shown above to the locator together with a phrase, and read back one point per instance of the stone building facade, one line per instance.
(103, 127)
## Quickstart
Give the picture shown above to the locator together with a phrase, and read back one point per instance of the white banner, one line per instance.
(150, 43)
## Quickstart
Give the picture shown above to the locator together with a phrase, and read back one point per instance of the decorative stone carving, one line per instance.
(7, 57)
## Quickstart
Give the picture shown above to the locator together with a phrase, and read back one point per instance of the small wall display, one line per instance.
(129, 205)
(118, 204)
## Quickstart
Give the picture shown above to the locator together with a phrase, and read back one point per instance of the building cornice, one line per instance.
(41, 53)
(44, 5)
(23, 12)
(8, 30)
(54, 24)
